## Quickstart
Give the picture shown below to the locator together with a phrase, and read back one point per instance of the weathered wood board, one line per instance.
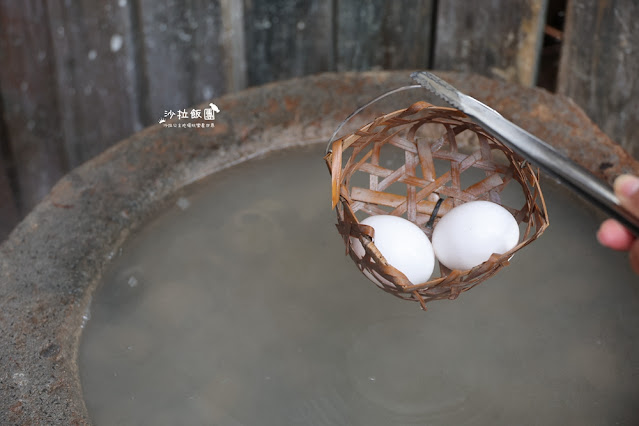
(599, 66)
(31, 114)
(496, 38)
(287, 38)
(383, 34)
(8, 208)
(95, 74)
(185, 53)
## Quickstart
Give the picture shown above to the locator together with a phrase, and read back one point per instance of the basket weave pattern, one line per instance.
(427, 135)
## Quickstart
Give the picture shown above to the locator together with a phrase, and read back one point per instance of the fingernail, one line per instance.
(627, 185)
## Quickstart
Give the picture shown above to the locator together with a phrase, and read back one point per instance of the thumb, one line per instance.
(627, 190)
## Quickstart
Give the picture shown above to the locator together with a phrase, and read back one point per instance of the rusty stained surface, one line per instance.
(51, 263)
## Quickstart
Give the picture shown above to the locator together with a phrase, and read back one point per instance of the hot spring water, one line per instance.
(238, 307)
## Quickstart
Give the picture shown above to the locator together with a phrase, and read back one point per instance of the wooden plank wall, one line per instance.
(599, 66)
(31, 116)
(79, 75)
(501, 39)
(182, 54)
(383, 34)
(287, 38)
(8, 208)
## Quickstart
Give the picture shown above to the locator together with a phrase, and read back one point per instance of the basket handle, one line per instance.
(329, 146)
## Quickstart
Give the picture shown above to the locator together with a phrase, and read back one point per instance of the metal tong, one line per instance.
(534, 150)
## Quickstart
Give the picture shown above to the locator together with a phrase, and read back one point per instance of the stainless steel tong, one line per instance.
(533, 149)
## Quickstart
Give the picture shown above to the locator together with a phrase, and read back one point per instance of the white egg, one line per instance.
(403, 244)
(470, 233)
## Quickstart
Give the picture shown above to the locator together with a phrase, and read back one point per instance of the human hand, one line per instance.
(614, 235)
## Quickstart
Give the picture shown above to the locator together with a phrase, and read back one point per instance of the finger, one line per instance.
(627, 190)
(614, 235)
(634, 257)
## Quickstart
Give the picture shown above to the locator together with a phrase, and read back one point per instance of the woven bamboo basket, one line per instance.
(396, 157)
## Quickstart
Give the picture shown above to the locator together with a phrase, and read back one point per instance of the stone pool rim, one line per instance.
(52, 261)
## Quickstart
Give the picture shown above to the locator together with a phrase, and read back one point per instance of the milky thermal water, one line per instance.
(237, 306)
